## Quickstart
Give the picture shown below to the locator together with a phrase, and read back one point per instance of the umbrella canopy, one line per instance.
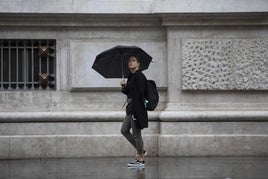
(113, 63)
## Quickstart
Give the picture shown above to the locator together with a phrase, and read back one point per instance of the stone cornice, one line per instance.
(78, 20)
(132, 7)
(209, 6)
(121, 20)
(205, 19)
(133, 13)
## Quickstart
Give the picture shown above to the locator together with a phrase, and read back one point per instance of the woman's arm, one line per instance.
(141, 85)
(123, 85)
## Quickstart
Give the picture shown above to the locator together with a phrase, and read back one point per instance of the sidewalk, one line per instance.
(116, 168)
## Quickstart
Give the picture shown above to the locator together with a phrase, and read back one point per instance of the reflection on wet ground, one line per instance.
(116, 168)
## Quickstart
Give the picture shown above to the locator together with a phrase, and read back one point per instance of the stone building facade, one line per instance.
(210, 65)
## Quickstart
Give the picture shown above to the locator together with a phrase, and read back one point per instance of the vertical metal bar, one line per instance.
(2, 68)
(24, 66)
(32, 65)
(48, 63)
(9, 66)
(48, 70)
(27, 66)
(54, 63)
(17, 65)
(40, 65)
(39, 60)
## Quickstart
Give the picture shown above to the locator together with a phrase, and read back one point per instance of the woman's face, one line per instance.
(133, 63)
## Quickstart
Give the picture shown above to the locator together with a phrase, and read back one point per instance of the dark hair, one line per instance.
(137, 58)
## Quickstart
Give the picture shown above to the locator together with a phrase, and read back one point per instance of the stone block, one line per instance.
(4, 130)
(100, 146)
(118, 6)
(69, 128)
(5, 169)
(195, 128)
(66, 146)
(213, 145)
(32, 147)
(4, 147)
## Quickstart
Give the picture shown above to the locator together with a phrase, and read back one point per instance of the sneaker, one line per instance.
(136, 163)
(135, 160)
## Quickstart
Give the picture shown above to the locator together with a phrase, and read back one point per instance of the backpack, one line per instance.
(152, 96)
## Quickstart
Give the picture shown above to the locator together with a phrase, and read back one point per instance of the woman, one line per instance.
(136, 113)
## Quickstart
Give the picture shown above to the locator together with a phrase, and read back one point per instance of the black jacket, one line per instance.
(136, 89)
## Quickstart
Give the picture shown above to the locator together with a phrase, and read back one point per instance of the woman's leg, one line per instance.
(136, 132)
(125, 130)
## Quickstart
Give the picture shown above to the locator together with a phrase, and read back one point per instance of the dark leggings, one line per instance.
(135, 137)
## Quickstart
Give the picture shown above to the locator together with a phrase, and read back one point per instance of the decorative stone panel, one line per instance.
(84, 52)
(225, 64)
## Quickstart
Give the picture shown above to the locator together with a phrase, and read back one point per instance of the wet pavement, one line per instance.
(116, 168)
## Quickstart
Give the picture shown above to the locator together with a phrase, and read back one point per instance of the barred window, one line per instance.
(27, 64)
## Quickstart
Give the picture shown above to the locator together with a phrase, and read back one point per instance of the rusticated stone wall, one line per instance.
(225, 64)
(195, 45)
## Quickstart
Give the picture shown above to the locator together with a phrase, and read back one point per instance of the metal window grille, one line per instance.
(27, 64)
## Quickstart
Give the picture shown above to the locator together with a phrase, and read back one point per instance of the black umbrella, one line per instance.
(113, 63)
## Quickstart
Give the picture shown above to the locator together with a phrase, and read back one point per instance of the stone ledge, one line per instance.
(112, 116)
(172, 116)
(67, 116)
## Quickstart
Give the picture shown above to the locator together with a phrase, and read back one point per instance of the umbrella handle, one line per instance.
(122, 68)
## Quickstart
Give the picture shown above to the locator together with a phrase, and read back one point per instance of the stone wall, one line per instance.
(210, 64)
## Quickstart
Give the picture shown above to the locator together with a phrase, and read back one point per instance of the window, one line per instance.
(27, 64)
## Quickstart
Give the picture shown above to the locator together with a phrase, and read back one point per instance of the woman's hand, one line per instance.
(123, 83)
